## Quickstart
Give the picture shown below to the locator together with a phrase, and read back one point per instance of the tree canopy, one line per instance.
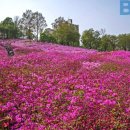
(32, 24)
(9, 28)
(90, 39)
(66, 33)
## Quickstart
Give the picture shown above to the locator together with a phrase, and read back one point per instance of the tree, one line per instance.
(8, 28)
(105, 43)
(57, 22)
(67, 34)
(102, 31)
(39, 23)
(8, 21)
(124, 41)
(2, 30)
(26, 23)
(128, 41)
(108, 42)
(17, 33)
(113, 41)
(47, 37)
(90, 39)
(32, 23)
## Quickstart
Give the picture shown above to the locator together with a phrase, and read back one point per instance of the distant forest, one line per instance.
(32, 25)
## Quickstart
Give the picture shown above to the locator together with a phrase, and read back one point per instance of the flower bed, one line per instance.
(48, 87)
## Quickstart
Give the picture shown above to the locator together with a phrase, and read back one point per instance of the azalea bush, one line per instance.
(52, 87)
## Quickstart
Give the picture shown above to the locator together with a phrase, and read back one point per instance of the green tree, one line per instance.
(108, 42)
(67, 34)
(91, 39)
(113, 42)
(58, 21)
(128, 41)
(8, 28)
(105, 43)
(124, 41)
(17, 33)
(2, 31)
(47, 38)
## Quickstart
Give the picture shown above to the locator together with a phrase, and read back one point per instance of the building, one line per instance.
(48, 31)
(71, 22)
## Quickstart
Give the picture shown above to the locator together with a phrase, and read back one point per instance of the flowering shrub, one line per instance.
(53, 87)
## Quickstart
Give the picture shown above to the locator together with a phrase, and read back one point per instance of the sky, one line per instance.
(87, 14)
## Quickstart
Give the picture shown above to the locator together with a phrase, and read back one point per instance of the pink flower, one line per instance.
(5, 124)
(128, 110)
(18, 119)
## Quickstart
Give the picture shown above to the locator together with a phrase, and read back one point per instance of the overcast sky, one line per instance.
(87, 14)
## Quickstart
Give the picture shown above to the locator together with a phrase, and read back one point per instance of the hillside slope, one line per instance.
(52, 87)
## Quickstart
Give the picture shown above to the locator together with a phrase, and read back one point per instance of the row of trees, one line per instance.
(33, 24)
(29, 26)
(67, 34)
(99, 40)
(9, 28)
(64, 32)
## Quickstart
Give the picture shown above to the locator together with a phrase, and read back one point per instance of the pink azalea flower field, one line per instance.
(47, 86)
